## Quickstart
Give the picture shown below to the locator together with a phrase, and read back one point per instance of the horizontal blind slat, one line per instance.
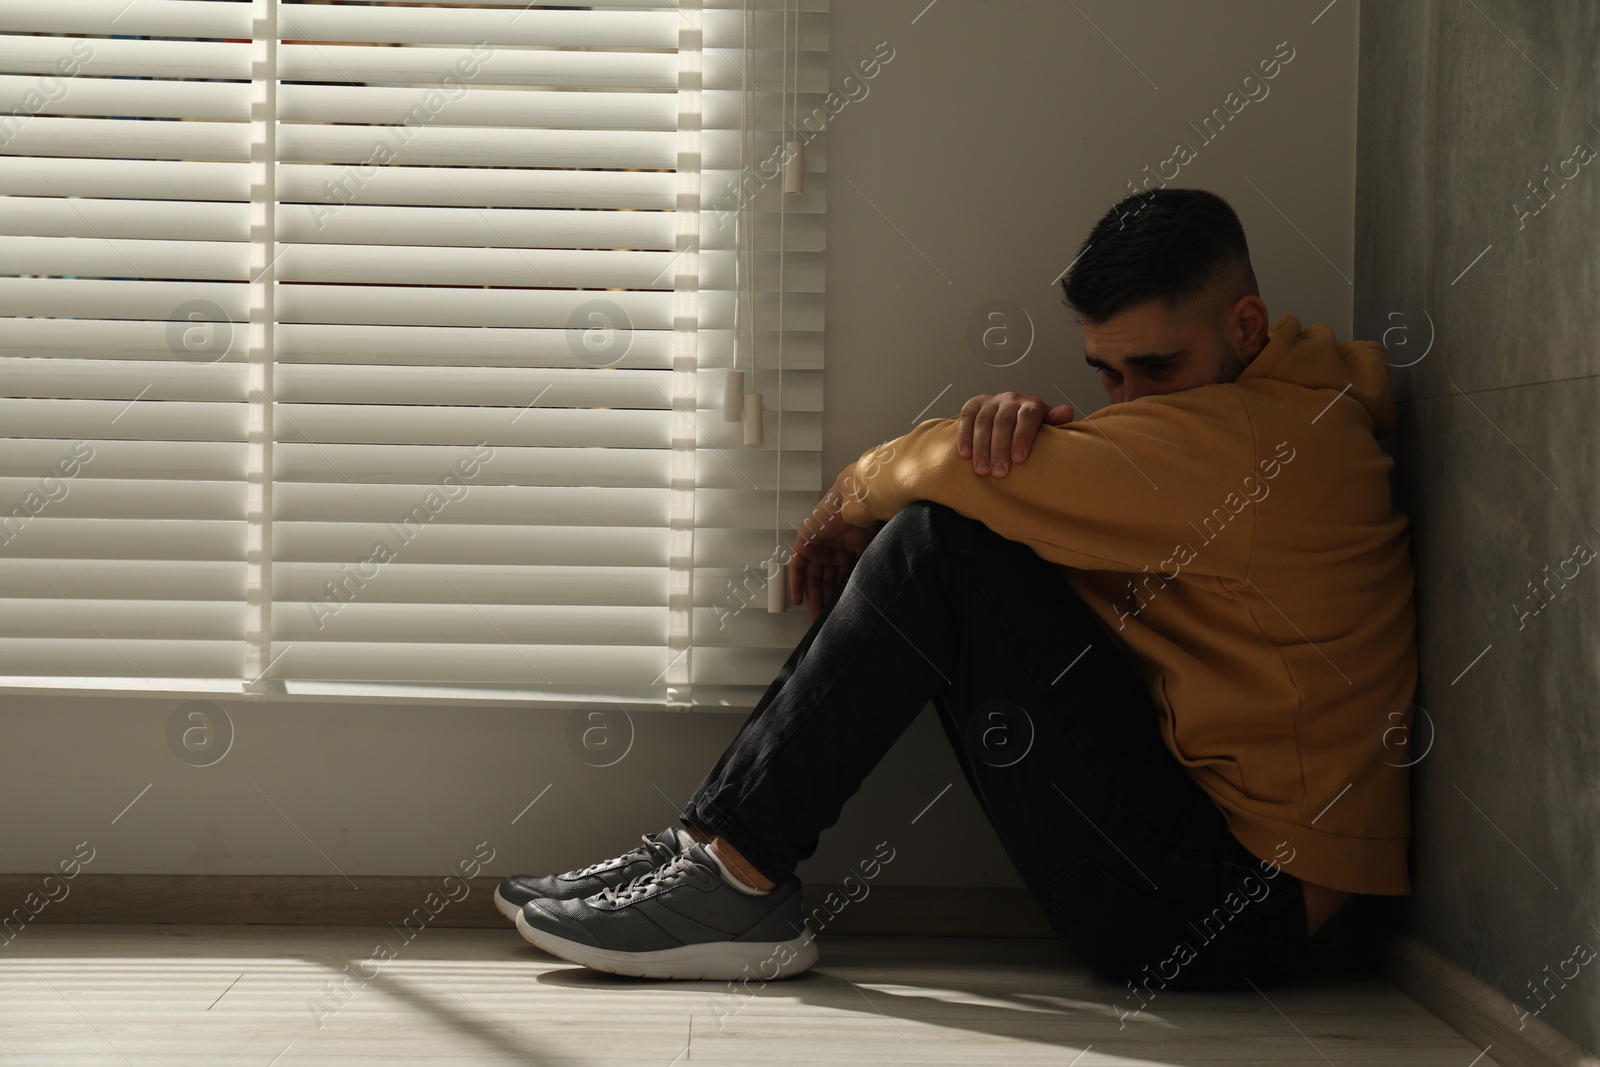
(57, 662)
(124, 379)
(530, 25)
(89, 496)
(337, 63)
(173, 420)
(129, 459)
(141, 18)
(381, 424)
(45, 135)
(398, 183)
(367, 465)
(133, 97)
(478, 505)
(113, 579)
(104, 57)
(54, 618)
(481, 146)
(335, 187)
(416, 585)
(387, 105)
(531, 546)
(473, 227)
(90, 217)
(133, 178)
(612, 387)
(499, 662)
(446, 625)
(46, 536)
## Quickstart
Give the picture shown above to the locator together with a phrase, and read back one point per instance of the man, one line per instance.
(1171, 642)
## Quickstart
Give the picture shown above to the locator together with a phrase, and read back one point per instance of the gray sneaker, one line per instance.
(680, 920)
(519, 889)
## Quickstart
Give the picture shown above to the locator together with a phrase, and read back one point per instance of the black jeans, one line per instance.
(1131, 861)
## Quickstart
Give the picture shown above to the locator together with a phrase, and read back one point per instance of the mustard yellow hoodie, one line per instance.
(1238, 539)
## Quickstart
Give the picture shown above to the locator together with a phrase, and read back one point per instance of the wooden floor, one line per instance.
(268, 996)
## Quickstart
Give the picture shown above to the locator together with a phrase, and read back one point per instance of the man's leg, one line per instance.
(1057, 736)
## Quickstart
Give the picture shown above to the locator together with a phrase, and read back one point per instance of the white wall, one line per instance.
(993, 140)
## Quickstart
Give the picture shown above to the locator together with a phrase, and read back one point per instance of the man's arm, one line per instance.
(996, 431)
(1127, 488)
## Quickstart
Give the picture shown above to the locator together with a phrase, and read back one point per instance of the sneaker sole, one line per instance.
(716, 961)
(505, 907)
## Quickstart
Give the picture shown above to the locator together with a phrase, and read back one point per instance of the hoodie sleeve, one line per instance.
(1161, 482)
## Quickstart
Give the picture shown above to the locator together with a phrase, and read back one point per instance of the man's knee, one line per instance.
(919, 522)
(930, 521)
(925, 515)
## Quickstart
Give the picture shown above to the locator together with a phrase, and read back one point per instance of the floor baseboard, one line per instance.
(1478, 1011)
(316, 900)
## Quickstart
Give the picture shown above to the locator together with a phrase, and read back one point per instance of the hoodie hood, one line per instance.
(1312, 358)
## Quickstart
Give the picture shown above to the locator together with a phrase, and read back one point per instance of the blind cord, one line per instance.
(783, 204)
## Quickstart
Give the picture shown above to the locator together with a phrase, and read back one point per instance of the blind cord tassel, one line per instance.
(777, 587)
(794, 169)
(733, 396)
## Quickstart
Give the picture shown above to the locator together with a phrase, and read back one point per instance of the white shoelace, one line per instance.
(650, 848)
(680, 865)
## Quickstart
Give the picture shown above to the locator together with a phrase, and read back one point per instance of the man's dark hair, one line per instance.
(1166, 244)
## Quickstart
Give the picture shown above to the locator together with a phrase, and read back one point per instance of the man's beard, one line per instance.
(1232, 365)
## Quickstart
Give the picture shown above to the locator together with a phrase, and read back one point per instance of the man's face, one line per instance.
(1149, 350)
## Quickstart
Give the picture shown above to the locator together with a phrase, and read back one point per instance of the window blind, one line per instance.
(376, 351)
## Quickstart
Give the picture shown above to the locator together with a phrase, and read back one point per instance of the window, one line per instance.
(378, 349)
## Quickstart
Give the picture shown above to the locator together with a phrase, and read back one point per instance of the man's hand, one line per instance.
(826, 548)
(993, 427)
